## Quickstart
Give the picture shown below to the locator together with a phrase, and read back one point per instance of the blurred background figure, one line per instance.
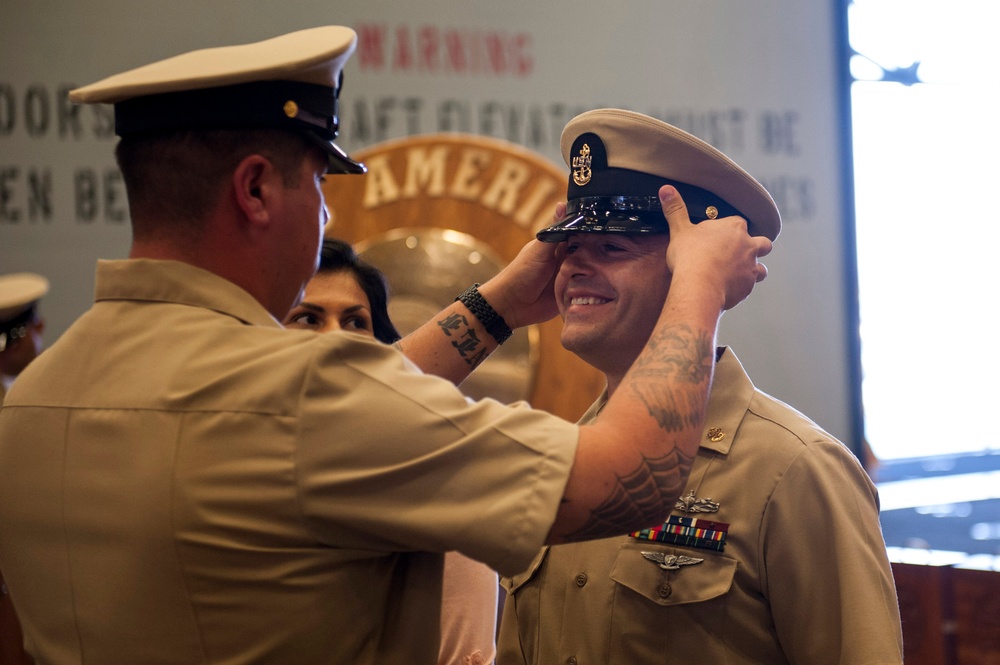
(21, 327)
(351, 295)
(21, 324)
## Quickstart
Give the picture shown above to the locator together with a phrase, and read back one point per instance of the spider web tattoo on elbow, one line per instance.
(670, 378)
(638, 498)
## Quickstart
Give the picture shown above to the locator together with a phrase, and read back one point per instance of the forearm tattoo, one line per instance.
(670, 378)
(464, 338)
(637, 498)
(668, 375)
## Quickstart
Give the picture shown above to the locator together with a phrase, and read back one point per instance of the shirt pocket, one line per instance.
(706, 580)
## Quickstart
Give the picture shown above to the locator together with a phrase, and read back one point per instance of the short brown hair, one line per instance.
(179, 174)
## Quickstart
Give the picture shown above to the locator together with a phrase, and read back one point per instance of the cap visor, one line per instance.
(557, 232)
(604, 222)
(337, 160)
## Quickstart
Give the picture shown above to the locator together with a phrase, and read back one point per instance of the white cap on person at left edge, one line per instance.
(18, 292)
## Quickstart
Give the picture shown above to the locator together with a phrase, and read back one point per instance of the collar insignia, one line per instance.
(690, 504)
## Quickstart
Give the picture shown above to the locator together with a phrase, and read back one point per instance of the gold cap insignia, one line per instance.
(581, 166)
(291, 109)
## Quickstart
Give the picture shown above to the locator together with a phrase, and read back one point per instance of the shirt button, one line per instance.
(581, 579)
(571, 660)
(664, 590)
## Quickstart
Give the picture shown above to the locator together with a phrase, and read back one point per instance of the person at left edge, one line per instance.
(21, 327)
(21, 324)
(184, 481)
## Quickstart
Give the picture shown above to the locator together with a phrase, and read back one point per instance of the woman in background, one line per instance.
(345, 294)
(348, 294)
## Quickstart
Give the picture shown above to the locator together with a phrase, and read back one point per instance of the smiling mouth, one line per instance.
(589, 300)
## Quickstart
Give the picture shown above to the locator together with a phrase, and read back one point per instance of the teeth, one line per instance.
(588, 301)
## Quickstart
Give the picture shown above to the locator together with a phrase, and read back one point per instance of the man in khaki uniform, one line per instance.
(774, 553)
(184, 481)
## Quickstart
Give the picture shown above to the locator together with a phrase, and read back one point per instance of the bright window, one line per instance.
(927, 168)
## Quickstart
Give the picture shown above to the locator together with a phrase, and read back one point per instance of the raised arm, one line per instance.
(455, 342)
(632, 462)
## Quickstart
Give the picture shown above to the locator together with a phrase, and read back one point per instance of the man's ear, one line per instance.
(252, 182)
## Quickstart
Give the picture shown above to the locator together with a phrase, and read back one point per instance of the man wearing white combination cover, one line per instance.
(774, 553)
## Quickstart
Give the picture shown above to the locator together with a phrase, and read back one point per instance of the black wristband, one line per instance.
(493, 322)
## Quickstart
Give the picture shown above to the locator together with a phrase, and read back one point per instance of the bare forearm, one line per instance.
(450, 345)
(455, 342)
(633, 462)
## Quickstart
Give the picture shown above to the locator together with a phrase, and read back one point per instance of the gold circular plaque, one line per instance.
(425, 269)
(439, 212)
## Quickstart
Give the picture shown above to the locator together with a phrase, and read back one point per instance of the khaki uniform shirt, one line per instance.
(803, 577)
(184, 481)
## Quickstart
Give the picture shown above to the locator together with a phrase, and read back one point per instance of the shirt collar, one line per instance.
(179, 283)
(732, 391)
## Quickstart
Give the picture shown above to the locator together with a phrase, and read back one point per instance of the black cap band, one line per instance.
(639, 212)
(626, 190)
(306, 108)
(277, 104)
(15, 328)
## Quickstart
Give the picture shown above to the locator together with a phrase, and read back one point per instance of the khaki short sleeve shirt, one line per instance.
(184, 481)
(802, 576)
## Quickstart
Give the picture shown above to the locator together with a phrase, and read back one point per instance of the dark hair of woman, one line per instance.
(337, 255)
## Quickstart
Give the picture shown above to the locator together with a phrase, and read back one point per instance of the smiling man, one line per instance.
(773, 554)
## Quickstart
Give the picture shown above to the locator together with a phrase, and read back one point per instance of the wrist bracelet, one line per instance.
(493, 322)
